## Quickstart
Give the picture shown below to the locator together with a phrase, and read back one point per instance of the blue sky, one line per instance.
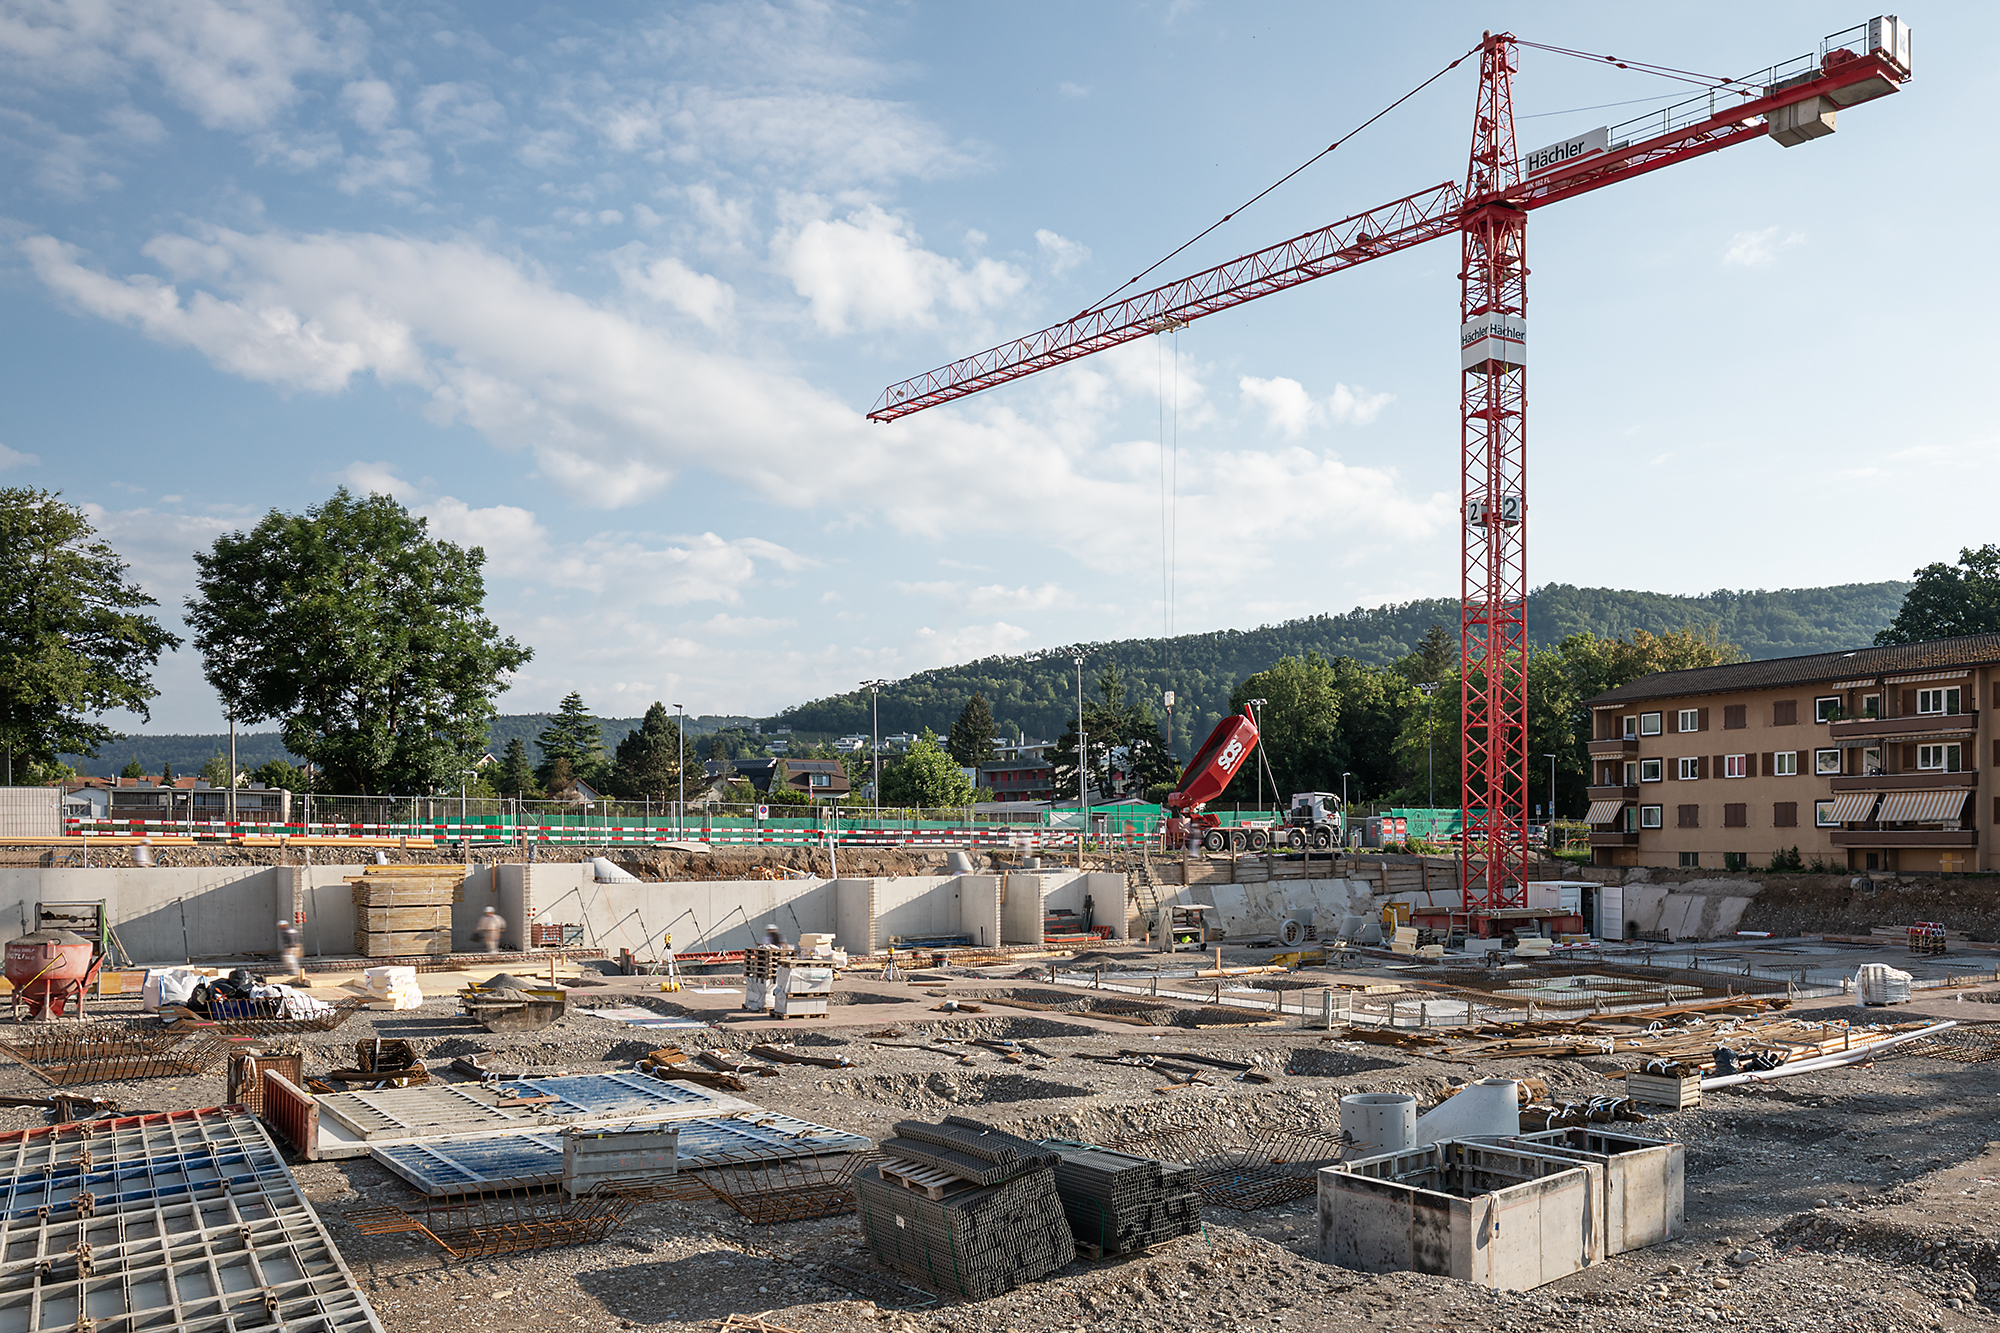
(608, 290)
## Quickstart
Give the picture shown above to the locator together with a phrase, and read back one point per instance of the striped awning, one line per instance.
(1853, 805)
(1603, 812)
(1923, 807)
(1960, 674)
(1902, 737)
(1852, 685)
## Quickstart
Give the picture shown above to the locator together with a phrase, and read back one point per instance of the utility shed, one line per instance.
(1496, 1215)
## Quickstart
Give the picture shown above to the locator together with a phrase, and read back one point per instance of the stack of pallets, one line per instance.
(1117, 1202)
(760, 976)
(964, 1208)
(405, 911)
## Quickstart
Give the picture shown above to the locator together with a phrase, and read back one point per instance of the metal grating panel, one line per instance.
(470, 1108)
(507, 1161)
(187, 1221)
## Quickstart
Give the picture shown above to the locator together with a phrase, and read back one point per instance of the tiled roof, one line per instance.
(1971, 650)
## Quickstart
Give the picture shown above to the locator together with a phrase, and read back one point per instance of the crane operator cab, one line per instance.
(1315, 822)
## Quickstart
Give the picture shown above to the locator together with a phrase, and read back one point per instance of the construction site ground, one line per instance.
(1866, 1197)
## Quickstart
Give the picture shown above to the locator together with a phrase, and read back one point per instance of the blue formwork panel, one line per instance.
(507, 1161)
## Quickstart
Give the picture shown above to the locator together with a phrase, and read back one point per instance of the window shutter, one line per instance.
(1721, 766)
(1770, 763)
(1909, 703)
(1996, 754)
(1701, 720)
(1701, 767)
(1673, 722)
(1909, 758)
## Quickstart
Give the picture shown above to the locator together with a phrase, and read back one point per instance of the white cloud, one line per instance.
(233, 65)
(1059, 252)
(1291, 411)
(459, 113)
(673, 283)
(870, 269)
(370, 103)
(932, 647)
(13, 458)
(1755, 249)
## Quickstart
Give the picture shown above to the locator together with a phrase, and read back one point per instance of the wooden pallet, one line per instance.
(1676, 1094)
(930, 1181)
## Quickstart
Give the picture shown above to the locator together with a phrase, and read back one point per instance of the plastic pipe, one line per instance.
(1833, 1061)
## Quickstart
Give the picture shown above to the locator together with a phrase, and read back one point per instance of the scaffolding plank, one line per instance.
(185, 1221)
(509, 1161)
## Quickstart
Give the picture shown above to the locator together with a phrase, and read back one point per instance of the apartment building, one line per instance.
(1866, 760)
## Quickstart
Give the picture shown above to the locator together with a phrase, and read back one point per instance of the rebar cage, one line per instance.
(485, 1226)
(1243, 1169)
(102, 1052)
(778, 1188)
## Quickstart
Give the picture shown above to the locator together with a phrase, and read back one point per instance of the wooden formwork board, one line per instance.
(402, 943)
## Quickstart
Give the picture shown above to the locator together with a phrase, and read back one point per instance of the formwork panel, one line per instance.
(184, 1221)
(508, 1161)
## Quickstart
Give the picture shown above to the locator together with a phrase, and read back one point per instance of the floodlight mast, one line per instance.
(1792, 102)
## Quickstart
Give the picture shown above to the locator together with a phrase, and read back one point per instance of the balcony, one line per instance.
(1612, 793)
(1907, 781)
(1614, 748)
(1903, 837)
(1614, 839)
(1909, 726)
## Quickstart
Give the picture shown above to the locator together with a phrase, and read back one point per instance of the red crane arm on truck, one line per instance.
(1215, 763)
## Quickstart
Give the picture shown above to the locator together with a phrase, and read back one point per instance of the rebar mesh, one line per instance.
(1243, 1169)
(486, 1226)
(282, 1027)
(103, 1052)
(795, 1189)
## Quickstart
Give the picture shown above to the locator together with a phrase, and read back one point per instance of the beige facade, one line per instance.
(1882, 759)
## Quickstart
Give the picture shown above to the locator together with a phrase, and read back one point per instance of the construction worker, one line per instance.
(488, 930)
(773, 936)
(291, 950)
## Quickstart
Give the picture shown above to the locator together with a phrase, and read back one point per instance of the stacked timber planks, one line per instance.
(405, 911)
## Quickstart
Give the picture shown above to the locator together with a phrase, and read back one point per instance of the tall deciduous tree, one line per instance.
(365, 637)
(1950, 600)
(1127, 750)
(74, 642)
(652, 763)
(517, 773)
(575, 735)
(926, 777)
(971, 739)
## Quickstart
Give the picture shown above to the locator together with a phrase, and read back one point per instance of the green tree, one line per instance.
(216, 771)
(971, 740)
(1950, 600)
(575, 735)
(1436, 656)
(282, 773)
(1299, 729)
(73, 641)
(561, 781)
(517, 775)
(652, 764)
(166, 773)
(926, 777)
(1128, 752)
(365, 637)
(133, 768)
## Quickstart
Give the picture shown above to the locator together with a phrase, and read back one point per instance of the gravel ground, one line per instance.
(1867, 1198)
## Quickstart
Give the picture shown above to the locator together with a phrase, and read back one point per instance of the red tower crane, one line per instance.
(1792, 102)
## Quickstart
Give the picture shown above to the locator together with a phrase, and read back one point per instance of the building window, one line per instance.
(821, 779)
(1826, 708)
(1735, 860)
(1632, 775)
(1785, 713)
(1938, 758)
(1688, 769)
(1736, 816)
(1735, 717)
(1649, 815)
(1631, 725)
(1689, 720)
(1785, 764)
(1690, 860)
(1690, 816)
(1938, 701)
(1736, 766)
(1826, 762)
(1871, 705)
(1785, 814)
(1823, 815)
(1629, 819)
(1650, 769)
(1871, 762)
(1649, 724)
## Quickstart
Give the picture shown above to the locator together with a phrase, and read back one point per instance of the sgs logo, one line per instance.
(1232, 755)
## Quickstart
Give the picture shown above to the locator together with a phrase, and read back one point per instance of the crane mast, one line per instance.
(1792, 102)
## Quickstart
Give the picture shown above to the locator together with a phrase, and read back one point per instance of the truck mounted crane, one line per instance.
(1792, 103)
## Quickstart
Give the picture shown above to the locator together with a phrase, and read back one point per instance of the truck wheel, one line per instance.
(1297, 839)
(1239, 841)
(1214, 840)
(1259, 840)
(1322, 838)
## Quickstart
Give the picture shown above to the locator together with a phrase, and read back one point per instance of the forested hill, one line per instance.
(1036, 692)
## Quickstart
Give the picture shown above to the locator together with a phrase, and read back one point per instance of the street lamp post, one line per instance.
(1256, 704)
(1347, 823)
(680, 770)
(1430, 690)
(1168, 699)
(1082, 769)
(874, 688)
(1550, 837)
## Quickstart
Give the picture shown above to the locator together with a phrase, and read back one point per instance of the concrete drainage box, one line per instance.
(1645, 1181)
(1492, 1214)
